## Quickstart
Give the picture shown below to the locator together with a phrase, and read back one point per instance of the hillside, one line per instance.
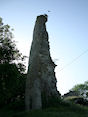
(63, 110)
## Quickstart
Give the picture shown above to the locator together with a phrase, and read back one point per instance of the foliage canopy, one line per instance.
(12, 77)
(82, 89)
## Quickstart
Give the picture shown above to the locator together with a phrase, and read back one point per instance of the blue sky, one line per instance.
(68, 34)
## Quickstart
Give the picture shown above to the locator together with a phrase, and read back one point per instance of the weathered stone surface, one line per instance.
(41, 76)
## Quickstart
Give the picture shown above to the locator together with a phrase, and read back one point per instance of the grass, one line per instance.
(62, 110)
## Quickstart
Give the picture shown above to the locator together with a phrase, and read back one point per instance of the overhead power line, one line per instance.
(84, 52)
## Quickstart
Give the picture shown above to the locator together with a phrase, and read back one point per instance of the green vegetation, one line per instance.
(62, 110)
(12, 76)
(57, 108)
(82, 89)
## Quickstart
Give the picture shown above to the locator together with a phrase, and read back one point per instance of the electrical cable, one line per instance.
(84, 52)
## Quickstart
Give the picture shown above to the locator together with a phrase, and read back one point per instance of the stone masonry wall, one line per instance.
(41, 76)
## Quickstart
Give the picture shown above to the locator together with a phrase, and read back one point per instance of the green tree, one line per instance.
(8, 50)
(82, 89)
(11, 72)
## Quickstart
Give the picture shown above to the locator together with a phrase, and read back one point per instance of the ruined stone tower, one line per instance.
(41, 76)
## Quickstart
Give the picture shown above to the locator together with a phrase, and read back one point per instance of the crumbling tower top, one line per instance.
(42, 18)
